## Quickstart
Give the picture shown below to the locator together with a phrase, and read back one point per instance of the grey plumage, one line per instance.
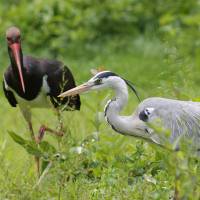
(179, 117)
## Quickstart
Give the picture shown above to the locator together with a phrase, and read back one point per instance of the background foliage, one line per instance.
(60, 23)
(155, 44)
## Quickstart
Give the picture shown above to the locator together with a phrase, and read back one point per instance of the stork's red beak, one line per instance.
(15, 47)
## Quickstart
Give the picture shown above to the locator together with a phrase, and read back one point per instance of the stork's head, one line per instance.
(104, 79)
(13, 35)
(14, 48)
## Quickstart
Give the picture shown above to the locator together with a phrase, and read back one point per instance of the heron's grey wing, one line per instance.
(179, 117)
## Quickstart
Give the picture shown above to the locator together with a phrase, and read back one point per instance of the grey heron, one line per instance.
(180, 118)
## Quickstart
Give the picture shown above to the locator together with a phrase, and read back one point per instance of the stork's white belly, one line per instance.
(41, 101)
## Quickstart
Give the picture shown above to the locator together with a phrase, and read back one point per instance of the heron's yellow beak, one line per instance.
(77, 90)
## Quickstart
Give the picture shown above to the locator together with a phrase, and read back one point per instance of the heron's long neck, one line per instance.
(116, 105)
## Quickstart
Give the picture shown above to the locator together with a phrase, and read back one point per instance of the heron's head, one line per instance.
(101, 80)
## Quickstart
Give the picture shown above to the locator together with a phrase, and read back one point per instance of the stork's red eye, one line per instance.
(16, 38)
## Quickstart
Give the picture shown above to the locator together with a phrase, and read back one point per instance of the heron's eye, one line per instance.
(98, 81)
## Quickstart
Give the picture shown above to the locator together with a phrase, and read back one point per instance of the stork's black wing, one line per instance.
(64, 77)
(10, 96)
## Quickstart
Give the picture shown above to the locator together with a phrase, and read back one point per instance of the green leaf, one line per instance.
(47, 147)
(29, 146)
(17, 138)
(33, 149)
(44, 165)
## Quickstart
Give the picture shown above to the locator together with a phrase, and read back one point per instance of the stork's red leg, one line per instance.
(27, 116)
(44, 129)
(37, 159)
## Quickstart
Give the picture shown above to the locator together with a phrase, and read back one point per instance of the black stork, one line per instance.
(30, 82)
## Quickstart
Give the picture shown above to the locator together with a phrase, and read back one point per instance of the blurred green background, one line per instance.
(79, 32)
(155, 44)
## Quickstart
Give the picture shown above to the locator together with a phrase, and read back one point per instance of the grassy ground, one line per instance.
(110, 166)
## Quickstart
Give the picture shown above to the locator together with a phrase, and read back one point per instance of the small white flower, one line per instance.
(149, 179)
(78, 149)
(95, 135)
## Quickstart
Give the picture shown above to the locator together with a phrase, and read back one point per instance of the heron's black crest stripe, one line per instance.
(106, 75)
(132, 88)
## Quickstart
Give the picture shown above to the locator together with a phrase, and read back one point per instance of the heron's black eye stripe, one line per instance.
(98, 81)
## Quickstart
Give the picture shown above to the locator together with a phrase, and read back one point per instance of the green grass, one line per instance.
(111, 166)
